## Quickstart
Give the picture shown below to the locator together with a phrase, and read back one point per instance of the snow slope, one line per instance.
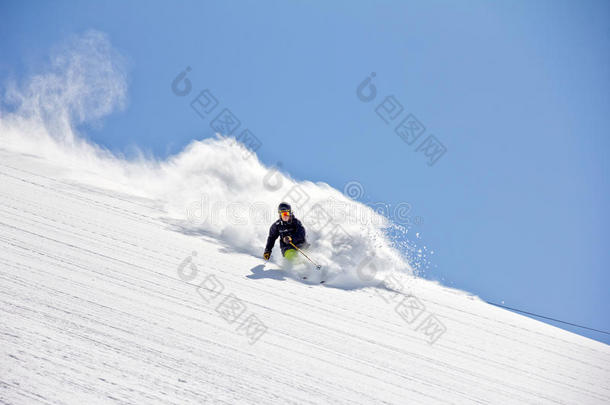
(140, 281)
(94, 309)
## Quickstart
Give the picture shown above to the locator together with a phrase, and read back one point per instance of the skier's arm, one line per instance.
(273, 235)
(299, 233)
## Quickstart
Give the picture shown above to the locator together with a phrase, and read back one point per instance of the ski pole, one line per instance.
(303, 253)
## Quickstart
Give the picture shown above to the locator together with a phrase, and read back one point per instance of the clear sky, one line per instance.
(517, 92)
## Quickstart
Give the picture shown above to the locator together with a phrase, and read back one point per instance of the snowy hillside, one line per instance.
(138, 281)
(95, 309)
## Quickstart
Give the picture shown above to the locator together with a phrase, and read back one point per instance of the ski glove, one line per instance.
(287, 239)
(267, 255)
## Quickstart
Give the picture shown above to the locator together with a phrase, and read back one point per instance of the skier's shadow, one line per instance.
(259, 272)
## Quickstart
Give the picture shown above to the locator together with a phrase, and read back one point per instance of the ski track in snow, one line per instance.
(92, 311)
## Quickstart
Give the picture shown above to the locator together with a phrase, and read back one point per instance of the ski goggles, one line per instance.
(285, 213)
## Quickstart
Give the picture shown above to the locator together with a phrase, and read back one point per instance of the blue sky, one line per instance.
(517, 92)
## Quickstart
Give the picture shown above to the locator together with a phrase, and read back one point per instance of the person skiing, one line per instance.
(289, 229)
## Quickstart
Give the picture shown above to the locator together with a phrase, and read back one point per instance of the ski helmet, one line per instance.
(284, 206)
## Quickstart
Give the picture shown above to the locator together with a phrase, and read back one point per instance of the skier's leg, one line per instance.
(290, 254)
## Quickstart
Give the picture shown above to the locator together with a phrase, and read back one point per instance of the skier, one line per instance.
(289, 229)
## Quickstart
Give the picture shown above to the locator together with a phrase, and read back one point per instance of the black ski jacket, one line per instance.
(292, 228)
